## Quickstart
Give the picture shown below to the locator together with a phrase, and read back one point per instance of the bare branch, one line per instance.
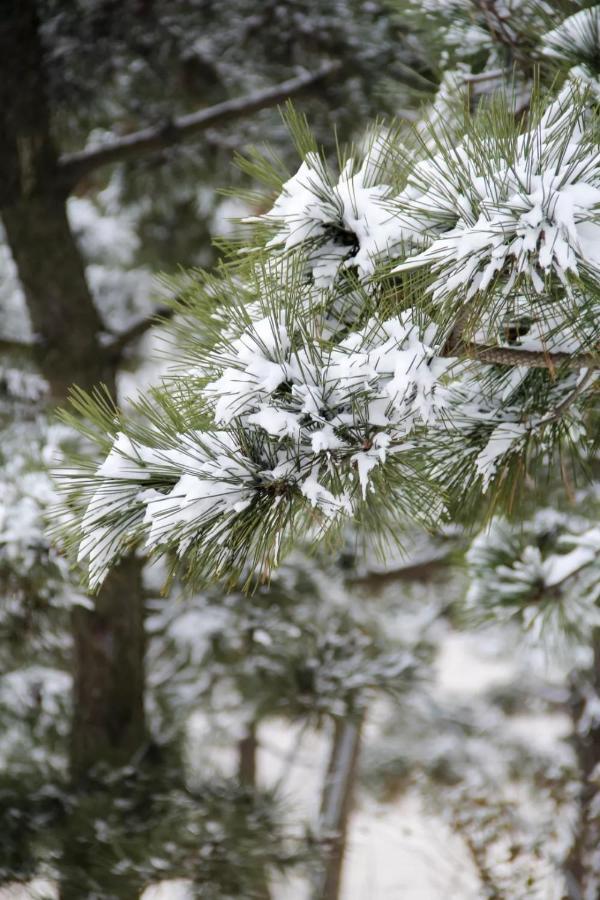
(13, 346)
(120, 341)
(74, 166)
(425, 571)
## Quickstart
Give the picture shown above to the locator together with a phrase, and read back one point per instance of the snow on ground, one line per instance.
(401, 851)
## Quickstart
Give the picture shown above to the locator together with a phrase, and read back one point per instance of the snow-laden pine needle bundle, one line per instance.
(399, 338)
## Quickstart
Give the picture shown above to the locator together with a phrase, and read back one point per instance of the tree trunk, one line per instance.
(108, 722)
(108, 716)
(336, 805)
(247, 771)
(247, 747)
(582, 868)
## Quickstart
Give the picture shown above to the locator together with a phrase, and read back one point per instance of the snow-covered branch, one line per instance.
(393, 338)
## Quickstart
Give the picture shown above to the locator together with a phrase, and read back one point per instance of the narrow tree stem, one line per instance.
(247, 747)
(582, 871)
(247, 772)
(336, 805)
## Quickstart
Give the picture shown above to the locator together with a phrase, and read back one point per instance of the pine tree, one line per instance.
(408, 335)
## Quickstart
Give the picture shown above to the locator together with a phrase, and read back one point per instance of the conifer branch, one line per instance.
(74, 166)
(533, 359)
(455, 345)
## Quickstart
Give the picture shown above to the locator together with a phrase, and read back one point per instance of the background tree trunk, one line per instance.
(336, 804)
(582, 868)
(247, 775)
(108, 667)
(108, 720)
(247, 747)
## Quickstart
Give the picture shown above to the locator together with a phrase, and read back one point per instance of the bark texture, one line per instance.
(108, 720)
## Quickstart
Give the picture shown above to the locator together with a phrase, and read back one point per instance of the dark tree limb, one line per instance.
(426, 571)
(74, 166)
(13, 346)
(121, 341)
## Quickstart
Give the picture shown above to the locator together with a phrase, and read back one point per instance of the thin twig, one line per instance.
(564, 405)
(73, 166)
(486, 76)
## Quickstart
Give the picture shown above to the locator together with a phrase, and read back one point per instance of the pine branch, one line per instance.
(74, 166)
(533, 359)
(455, 345)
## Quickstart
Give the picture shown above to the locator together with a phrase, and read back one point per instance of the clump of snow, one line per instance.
(577, 36)
(502, 442)
(533, 216)
(351, 221)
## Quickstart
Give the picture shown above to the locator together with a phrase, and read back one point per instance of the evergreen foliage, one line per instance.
(396, 342)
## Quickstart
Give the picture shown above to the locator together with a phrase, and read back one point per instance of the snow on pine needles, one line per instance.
(321, 378)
